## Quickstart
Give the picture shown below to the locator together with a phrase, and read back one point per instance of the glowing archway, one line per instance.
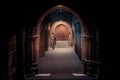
(84, 29)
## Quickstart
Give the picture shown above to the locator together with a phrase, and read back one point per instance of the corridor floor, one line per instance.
(60, 64)
(60, 60)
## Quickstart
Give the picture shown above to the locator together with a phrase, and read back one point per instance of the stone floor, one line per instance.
(60, 76)
(62, 63)
(60, 60)
(62, 44)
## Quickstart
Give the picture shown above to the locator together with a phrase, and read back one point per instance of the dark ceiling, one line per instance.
(60, 14)
(29, 12)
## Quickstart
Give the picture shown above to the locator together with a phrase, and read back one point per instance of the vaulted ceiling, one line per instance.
(60, 14)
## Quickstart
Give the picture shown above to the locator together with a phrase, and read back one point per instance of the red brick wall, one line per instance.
(61, 33)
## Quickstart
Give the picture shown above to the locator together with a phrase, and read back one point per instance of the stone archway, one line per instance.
(84, 43)
(66, 25)
(86, 37)
(84, 29)
(61, 33)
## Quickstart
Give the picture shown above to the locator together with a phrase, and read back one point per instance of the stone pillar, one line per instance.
(32, 50)
(43, 42)
(42, 45)
(34, 53)
(12, 57)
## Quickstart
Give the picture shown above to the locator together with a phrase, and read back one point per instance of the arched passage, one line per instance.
(84, 30)
(84, 42)
(68, 27)
(81, 35)
(61, 33)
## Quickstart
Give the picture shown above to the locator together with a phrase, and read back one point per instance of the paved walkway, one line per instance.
(60, 64)
(62, 44)
(60, 60)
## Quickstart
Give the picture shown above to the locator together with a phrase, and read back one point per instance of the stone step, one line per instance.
(62, 44)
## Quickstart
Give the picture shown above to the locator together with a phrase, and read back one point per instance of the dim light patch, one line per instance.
(78, 74)
(44, 74)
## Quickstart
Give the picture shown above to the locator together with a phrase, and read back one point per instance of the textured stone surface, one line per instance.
(60, 60)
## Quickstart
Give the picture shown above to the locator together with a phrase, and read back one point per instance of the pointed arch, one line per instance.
(85, 36)
(83, 27)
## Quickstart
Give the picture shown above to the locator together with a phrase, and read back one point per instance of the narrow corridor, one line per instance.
(60, 63)
(60, 41)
